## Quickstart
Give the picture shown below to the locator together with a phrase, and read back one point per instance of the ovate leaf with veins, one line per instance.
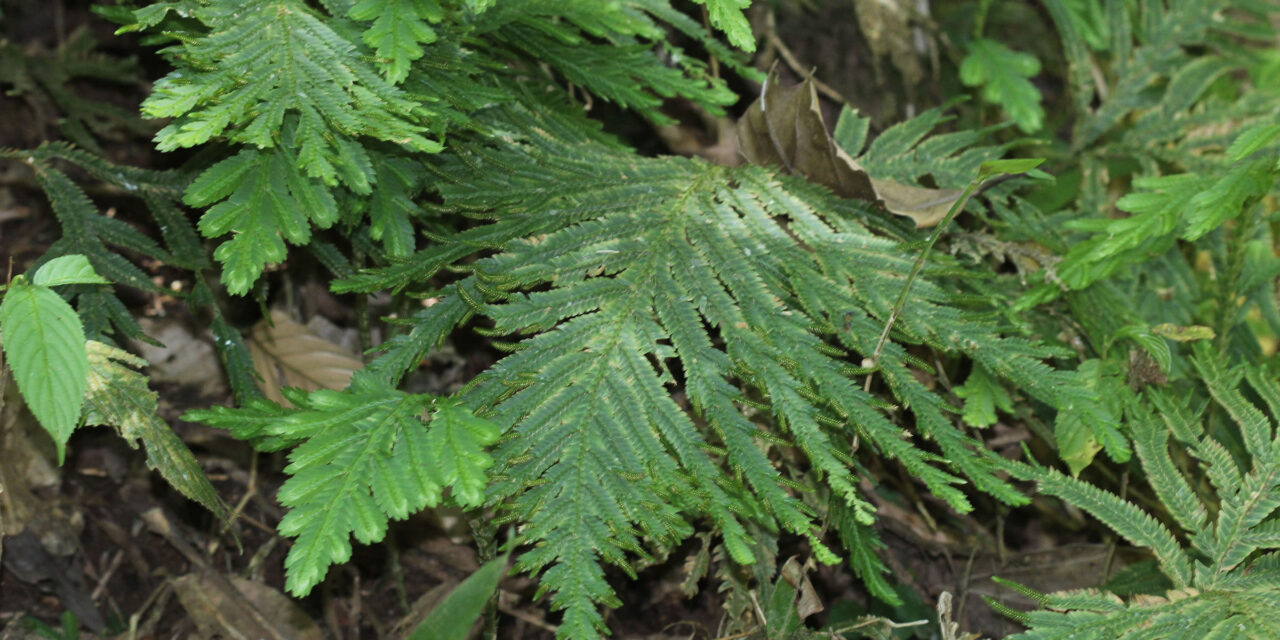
(1003, 75)
(44, 346)
(119, 396)
(363, 456)
(72, 269)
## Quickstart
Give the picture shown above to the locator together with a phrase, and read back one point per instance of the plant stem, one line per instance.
(915, 271)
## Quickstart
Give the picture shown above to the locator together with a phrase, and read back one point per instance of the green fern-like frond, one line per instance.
(98, 235)
(624, 71)
(636, 276)
(312, 73)
(399, 29)
(1163, 209)
(1166, 111)
(909, 149)
(361, 457)
(727, 16)
(1004, 75)
(263, 201)
(1223, 577)
(1149, 44)
(301, 115)
(44, 82)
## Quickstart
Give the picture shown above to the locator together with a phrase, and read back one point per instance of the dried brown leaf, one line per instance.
(242, 609)
(797, 575)
(785, 128)
(288, 354)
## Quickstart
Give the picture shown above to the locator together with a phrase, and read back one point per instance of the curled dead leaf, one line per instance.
(785, 128)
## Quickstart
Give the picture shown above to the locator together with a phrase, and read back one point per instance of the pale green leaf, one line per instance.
(72, 269)
(1009, 166)
(44, 345)
(1183, 334)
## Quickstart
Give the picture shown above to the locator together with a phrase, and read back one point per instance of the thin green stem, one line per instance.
(915, 271)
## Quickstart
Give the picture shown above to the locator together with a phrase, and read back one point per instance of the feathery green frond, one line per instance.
(753, 286)
(263, 201)
(399, 29)
(45, 81)
(727, 16)
(1004, 76)
(362, 457)
(92, 234)
(1224, 579)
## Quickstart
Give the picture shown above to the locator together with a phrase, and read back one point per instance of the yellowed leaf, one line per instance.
(288, 354)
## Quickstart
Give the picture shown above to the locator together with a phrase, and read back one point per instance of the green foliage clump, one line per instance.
(1225, 580)
(691, 349)
(360, 457)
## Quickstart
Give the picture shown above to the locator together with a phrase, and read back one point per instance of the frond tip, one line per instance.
(364, 456)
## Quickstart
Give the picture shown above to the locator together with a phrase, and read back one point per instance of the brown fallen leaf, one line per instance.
(288, 354)
(797, 575)
(785, 128)
(241, 609)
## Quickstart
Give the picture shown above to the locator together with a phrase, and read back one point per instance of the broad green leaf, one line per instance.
(1009, 166)
(119, 396)
(44, 345)
(72, 269)
(1003, 75)
(453, 618)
